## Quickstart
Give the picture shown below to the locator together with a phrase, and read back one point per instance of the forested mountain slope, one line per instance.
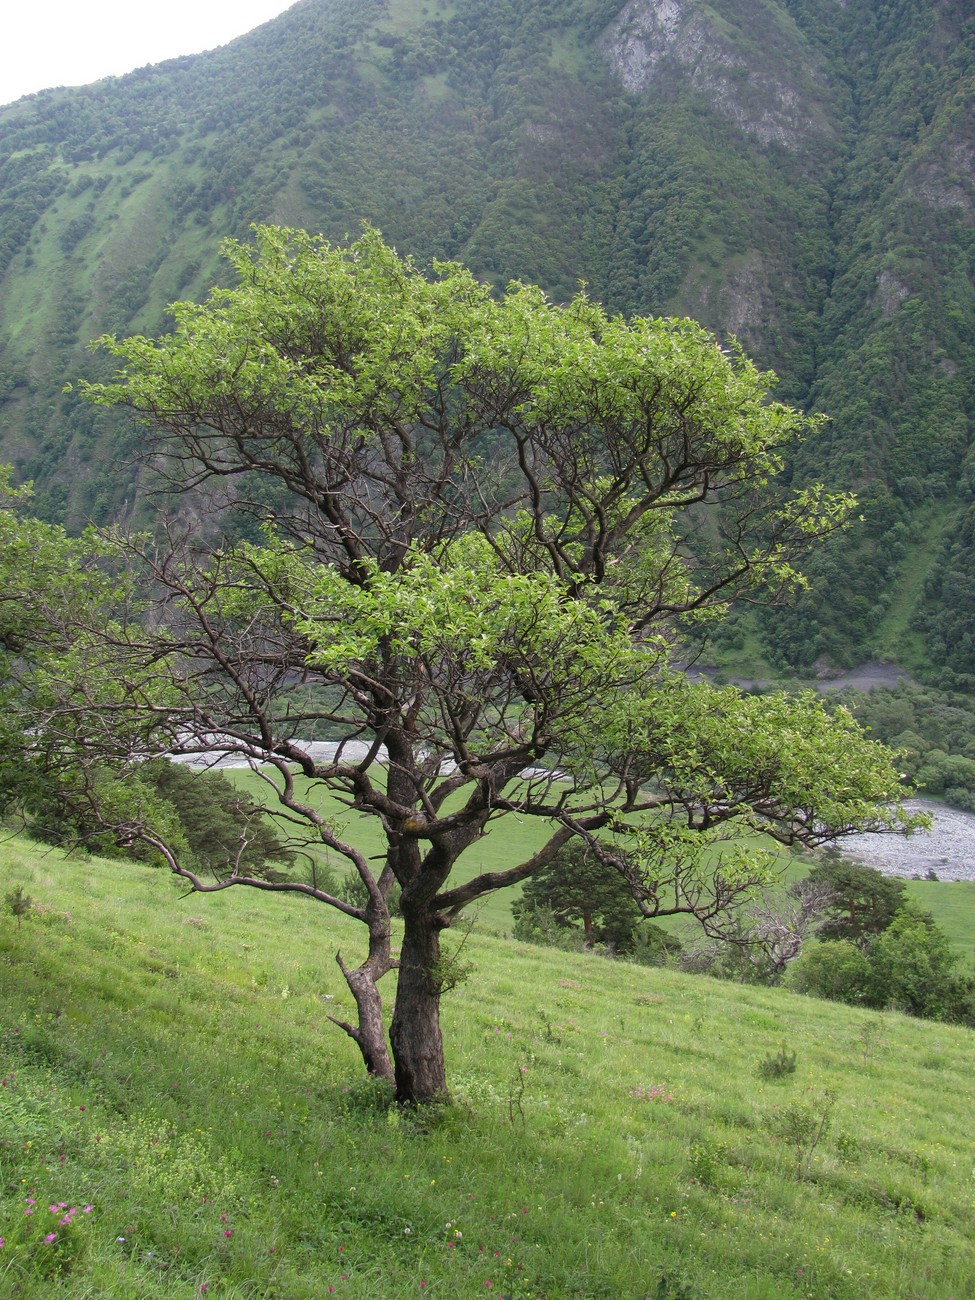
(797, 172)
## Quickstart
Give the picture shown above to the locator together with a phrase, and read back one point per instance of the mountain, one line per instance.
(800, 173)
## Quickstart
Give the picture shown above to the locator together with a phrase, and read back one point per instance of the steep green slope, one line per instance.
(896, 366)
(169, 1070)
(796, 172)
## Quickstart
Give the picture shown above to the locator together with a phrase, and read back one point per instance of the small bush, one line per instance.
(780, 1065)
(706, 1159)
(18, 903)
(803, 1124)
(834, 969)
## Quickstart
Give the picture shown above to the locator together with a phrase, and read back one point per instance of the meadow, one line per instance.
(179, 1117)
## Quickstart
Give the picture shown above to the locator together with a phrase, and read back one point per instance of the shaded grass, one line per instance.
(168, 1061)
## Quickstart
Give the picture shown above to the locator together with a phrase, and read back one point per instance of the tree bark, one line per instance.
(419, 1069)
(369, 1034)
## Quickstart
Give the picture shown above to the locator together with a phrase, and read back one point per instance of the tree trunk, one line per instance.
(369, 1034)
(419, 1069)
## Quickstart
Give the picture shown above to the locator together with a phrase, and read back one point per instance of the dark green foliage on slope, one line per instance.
(895, 367)
(933, 729)
(221, 831)
(576, 898)
(797, 172)
(908, 966)
(863, 901)
(224, 829)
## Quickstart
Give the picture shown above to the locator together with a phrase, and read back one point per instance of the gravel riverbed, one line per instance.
(947, 849)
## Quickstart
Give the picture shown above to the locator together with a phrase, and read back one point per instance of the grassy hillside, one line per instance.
(173, 1088)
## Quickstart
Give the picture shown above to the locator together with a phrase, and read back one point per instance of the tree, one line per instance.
(577, 886)
(909, 967)
(768, 935)
(485, 522)
(864, 901)
(224, 829)
(217, 829)
(913, 968)
(50, 584)
(836, 969)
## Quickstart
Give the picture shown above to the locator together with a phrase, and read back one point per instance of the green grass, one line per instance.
(167, 1060)
(509, 841)
(952, 904)
(895, 638)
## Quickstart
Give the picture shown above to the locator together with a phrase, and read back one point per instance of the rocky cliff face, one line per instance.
(651, 41)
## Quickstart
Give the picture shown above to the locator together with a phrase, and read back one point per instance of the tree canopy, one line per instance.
(50, 586)
(862, 901)
(577, 887)
(472, 529)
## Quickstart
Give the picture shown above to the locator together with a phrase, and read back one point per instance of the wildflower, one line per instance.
(228, 1232)
(51, 1236)
(1, 1243)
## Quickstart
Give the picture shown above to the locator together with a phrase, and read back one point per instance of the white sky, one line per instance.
(70, 43)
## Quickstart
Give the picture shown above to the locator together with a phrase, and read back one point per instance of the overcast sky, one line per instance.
(70, 42)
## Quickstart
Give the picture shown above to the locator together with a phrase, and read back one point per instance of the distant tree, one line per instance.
(50, 584)
(770, 932)
(908, 967)
(863, 901)
(578, 888)
(913, 968)
(226, 831)
(836, 969)
(485, 523)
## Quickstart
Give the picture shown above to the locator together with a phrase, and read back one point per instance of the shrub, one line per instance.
(835, 969)
(18, 903)
(912, 968)
(802, 1125)
(777, 1066)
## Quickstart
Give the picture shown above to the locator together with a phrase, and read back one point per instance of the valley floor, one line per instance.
(947, 849)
